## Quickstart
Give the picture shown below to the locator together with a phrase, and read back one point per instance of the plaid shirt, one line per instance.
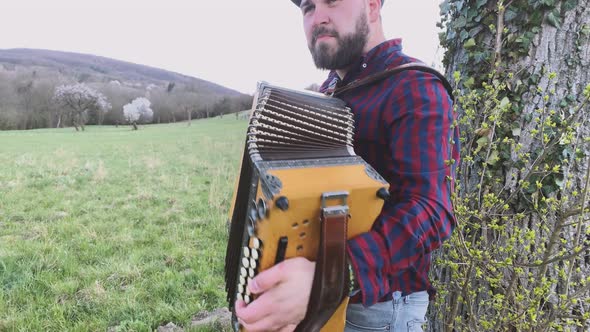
(403, 128)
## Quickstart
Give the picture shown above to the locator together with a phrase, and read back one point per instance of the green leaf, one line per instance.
(482, 142)
(480, 3)
(553, 19)
(516, 131)
(536, 17)
(504, 102)
(569, 5)
(469, 83)
(493, 158)
(445, 7)
(509, 15)
(464, 35)
(460, 22)
(469, 43)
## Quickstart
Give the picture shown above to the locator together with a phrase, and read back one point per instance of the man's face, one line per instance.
(336, 31)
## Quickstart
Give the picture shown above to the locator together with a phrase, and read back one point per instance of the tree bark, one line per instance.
(560, 44)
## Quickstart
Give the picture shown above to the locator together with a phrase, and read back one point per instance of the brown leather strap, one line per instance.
(392, 71)
(330, 283)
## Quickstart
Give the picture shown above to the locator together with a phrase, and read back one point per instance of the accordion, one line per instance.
(301, 191)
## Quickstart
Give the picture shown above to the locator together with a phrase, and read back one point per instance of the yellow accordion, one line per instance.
(301, 191)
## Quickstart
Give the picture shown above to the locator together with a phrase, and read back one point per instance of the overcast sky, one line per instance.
(234, 43)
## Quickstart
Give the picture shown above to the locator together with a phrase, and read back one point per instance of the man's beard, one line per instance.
(348, 48)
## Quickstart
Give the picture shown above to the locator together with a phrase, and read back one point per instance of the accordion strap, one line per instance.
(392, 71)
(330, 283)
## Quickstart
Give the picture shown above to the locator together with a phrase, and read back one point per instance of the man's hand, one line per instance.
(283, 295)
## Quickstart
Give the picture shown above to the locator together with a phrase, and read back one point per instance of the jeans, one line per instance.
(402, 314)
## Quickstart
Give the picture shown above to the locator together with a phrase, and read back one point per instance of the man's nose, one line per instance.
(320, 16)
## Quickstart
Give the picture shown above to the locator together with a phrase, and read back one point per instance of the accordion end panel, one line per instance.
(294, 230)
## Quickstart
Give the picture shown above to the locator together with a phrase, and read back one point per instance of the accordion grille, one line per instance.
(294, 125)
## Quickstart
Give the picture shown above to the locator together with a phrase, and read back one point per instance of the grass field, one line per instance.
(112, 228)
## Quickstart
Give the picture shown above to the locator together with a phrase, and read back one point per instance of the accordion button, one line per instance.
(243, 272)
(242, 280)
(252, 263)
(254, 254)
(246, 252)
(239, 297)
(250, 228)
(251, 274)
(256, 243)
(240, 288)
(245, 262)
(247, 299)
(261, 208)
(253, 214)
(282, 203)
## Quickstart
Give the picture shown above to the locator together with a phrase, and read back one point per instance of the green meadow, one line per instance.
(114, 229)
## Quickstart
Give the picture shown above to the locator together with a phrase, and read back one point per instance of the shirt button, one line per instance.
(364, 65)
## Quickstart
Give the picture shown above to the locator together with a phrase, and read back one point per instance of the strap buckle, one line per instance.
(341, 209)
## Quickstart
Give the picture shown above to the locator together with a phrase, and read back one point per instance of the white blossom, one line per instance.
(138, 109)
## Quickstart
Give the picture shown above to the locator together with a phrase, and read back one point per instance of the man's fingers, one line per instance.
(240, 306)
(266, 280)
(260, 308)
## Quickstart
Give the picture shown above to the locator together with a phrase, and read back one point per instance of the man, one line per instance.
(404, 128)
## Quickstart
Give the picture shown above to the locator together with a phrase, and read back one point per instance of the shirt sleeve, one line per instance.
(418, 124)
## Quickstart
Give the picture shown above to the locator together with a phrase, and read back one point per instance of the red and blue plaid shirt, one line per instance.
(404, 129)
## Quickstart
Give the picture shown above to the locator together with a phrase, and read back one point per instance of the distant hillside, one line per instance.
(29, 79)
(84, 67)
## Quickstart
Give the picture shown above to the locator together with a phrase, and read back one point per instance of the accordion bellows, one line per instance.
(298, 166)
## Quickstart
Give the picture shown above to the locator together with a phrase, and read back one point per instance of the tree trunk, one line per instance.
(516, 261)
(188, 115)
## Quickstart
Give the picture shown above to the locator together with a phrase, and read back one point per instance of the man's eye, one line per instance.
(306, 9)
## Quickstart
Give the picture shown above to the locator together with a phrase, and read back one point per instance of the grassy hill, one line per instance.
(113, 228)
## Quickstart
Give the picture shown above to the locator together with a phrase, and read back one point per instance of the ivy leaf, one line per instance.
(482, 142)
(569, 5)
(493, 158)
(509, 15)
(554, 19)
(445, 7)
(469, 83)
(469, 43)
(460, 22)
(464, 35)
(480, 3)
(459, 5)
(536, 18)
(516, 132)
(504, 102)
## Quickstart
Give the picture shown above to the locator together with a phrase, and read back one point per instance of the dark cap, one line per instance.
(298, 2)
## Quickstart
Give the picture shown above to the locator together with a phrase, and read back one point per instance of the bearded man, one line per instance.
(405, 129)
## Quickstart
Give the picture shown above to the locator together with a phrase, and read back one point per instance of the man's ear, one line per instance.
(374, 7)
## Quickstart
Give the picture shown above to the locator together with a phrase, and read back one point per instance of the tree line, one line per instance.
(30, 99)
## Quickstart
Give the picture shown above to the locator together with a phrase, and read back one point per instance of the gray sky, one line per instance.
(234, 43)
